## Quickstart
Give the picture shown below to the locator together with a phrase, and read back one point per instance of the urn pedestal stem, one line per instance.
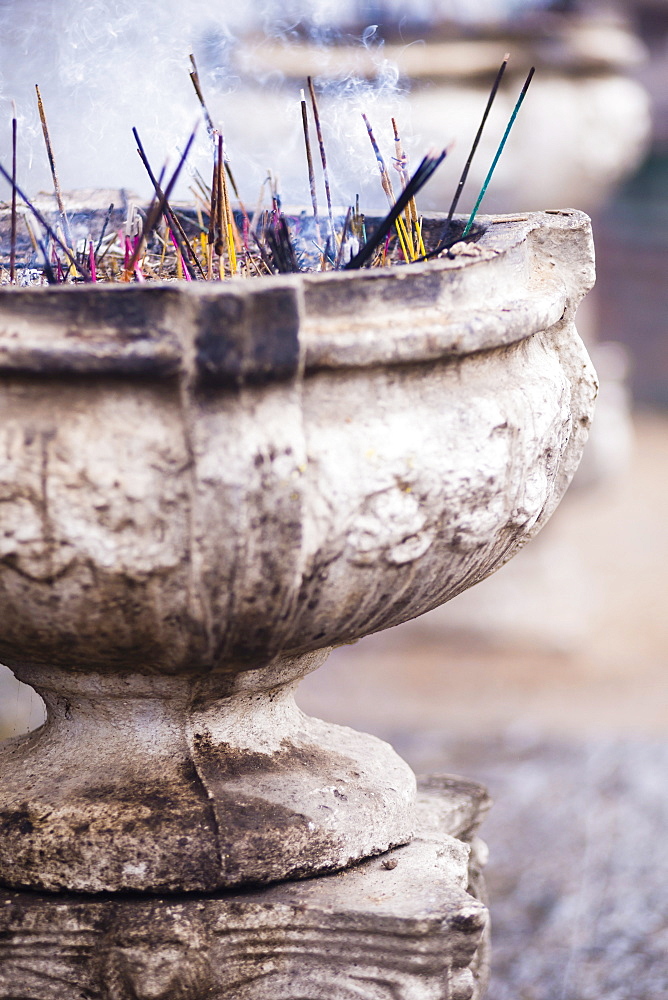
(192, 784)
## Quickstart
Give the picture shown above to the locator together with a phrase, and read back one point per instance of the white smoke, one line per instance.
(104, 66)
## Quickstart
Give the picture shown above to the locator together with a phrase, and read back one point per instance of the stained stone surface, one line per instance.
(202, 489)
(407, 926)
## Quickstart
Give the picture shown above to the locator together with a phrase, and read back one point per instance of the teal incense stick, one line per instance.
(499, 151)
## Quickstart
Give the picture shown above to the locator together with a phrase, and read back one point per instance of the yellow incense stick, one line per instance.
(421, 248)
(404, 240)
(231, 252)
(401, 163)
(31, 234)
(229, 227)
(200, 223)
(221, 211)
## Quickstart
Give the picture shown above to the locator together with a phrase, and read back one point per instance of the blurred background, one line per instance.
(548, 681)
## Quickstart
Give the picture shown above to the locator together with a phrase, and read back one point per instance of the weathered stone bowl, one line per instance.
(205, 487)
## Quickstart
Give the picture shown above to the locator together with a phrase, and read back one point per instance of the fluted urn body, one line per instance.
(203, 488)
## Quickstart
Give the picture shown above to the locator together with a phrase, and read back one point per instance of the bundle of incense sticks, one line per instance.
(216, 238)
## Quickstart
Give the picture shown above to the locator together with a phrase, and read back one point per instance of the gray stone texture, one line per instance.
(407, 926)
(202, 489)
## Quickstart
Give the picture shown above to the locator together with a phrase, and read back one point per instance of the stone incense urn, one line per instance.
(205, 487)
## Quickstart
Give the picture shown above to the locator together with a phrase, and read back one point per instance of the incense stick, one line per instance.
(12, 243)
(476, 141)
(281, 246)
(211, 237)
(104, 229)
(401, 163)
(499, 151)
(230, 177)
(266, 259)
(42, 221)
(309, 163)
(52, 165)
(47, 269)
(424, 172)
(221, 220)
(194, 76)
(344, 231)
(33, 240)
(181, 238)
(228, 217)
(385, 181)
(211, 129)
(386, 185)
(204, 189)
(163, 204)
(323, 157)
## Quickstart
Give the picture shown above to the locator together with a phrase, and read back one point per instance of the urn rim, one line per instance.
(268, 329)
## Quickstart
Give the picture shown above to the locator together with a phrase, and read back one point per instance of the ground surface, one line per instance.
(563, 713)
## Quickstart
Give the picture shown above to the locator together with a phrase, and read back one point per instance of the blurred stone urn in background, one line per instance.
(585, 128)
(205, 489)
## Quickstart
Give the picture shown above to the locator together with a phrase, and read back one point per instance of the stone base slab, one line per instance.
(409, 925)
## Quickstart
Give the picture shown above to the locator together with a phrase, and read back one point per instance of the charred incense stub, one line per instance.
(204, 488)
